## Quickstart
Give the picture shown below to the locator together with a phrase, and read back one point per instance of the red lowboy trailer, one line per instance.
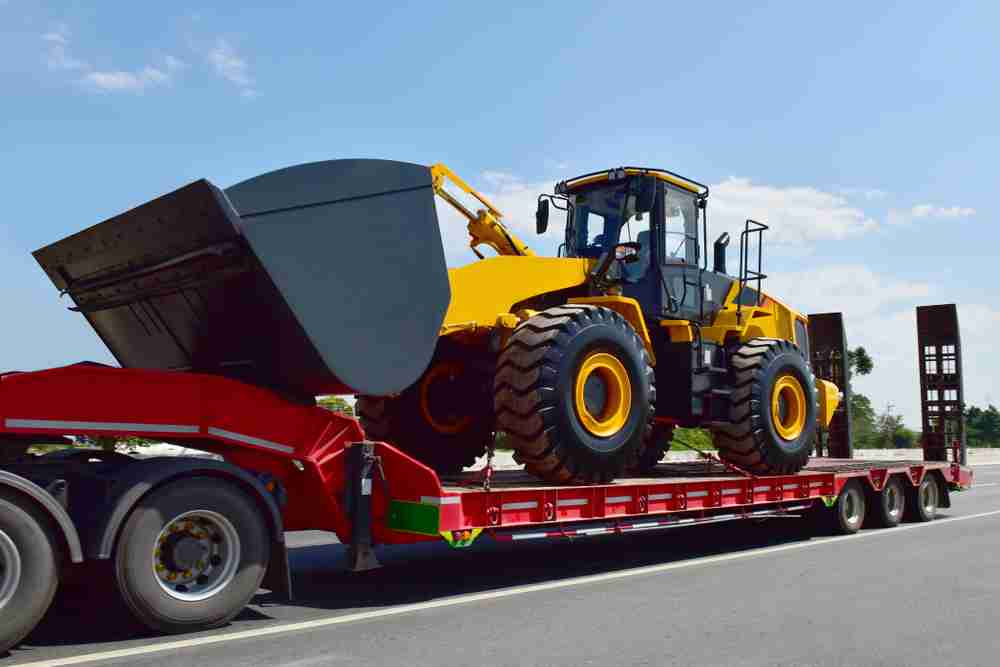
(192, 539)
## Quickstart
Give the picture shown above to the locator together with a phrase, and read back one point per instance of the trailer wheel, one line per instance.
(889, 504)
(29, 567)
(445, 420)
(574, 391)
(849, 510)
(773, 409)
(924, 500)
(191, 555)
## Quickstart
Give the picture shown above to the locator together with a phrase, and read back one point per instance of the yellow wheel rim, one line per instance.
(441, 421)
(788, 407)
(603, 394)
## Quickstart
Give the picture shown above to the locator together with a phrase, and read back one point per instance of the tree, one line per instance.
(890, 431)
(863, 427)
(336, 404)
(982, 426)
(859, 362)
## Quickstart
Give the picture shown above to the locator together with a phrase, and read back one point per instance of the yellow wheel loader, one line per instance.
(588, 360)
(330, 278)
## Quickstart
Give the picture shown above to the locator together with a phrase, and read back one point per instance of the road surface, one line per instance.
(921, 594)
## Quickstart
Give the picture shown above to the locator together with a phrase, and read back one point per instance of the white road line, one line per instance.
(457, 600)
(979, 486)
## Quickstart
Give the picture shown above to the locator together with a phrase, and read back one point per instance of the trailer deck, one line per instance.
(517, 506)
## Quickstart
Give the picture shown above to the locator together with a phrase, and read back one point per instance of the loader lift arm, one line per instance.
(484, 225)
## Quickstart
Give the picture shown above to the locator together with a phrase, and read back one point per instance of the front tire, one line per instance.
(191, 555)
(773, 409)
(29, 567)
(574, 391)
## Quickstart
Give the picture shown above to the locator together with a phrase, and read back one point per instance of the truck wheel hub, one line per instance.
(196, 555)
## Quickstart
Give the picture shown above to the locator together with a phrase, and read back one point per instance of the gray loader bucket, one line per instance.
(327, 277)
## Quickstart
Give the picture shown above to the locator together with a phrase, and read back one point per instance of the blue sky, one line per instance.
(864, 133)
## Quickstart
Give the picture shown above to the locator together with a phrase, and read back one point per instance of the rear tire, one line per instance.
(924, 500)
(202, 574)
(445, 420)
(29, 567)
(773, 409)
(889, 504)
(574, 391)
(849, 510)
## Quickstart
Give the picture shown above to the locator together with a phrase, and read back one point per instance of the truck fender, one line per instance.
(139, 478)
(51, 506)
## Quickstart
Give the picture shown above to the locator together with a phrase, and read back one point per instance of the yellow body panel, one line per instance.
(771, 319)
(487, 290)
(627, 308)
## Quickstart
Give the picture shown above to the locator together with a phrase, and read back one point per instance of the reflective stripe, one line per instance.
(529, 536)
(250, 440)
(697, 494)
(572, 502)
(661, 496)
(528, 505)
(618, 499)
(99, 426)
(592, 531)
(640, 526)
(444, 500)
(731, 492)
(790, 486)
(758, 489)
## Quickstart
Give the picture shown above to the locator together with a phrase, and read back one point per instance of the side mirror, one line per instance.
(646, 197)
(721, 244)
(542, 216)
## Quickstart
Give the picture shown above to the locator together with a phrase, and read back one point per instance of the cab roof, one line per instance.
(620, 173)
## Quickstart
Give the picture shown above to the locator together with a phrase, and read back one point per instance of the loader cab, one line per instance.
(668, 277)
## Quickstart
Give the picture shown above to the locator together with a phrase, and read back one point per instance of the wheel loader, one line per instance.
(330, 278)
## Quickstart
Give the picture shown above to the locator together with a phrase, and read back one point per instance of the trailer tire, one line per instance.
(849, 510)
(889, 505)
(545, 402)
(200, 526)
(407, 421)
(773, 409)
(29, 567)
(924, 499)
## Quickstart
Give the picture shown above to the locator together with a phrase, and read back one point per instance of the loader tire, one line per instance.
(445, 428)
(773, 409)
(655, 448)
(574, 391)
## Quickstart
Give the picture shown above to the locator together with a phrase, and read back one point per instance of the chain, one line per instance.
(488, 470)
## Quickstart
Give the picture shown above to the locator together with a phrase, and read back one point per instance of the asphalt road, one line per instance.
(921, 594)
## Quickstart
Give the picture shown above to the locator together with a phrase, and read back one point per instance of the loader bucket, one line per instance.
(326, 277)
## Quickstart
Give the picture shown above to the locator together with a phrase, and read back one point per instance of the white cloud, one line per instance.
(797, 215)
(921, 211)
(115, 81)
(868, 194)
(57, 55)
(232, 67)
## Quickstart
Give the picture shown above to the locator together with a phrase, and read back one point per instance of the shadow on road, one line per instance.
(89, 612)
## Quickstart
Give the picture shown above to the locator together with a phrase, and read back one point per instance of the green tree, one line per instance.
(863, 427)
(982, 426)
(859, 362)
(336, 404)
(691, 438)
